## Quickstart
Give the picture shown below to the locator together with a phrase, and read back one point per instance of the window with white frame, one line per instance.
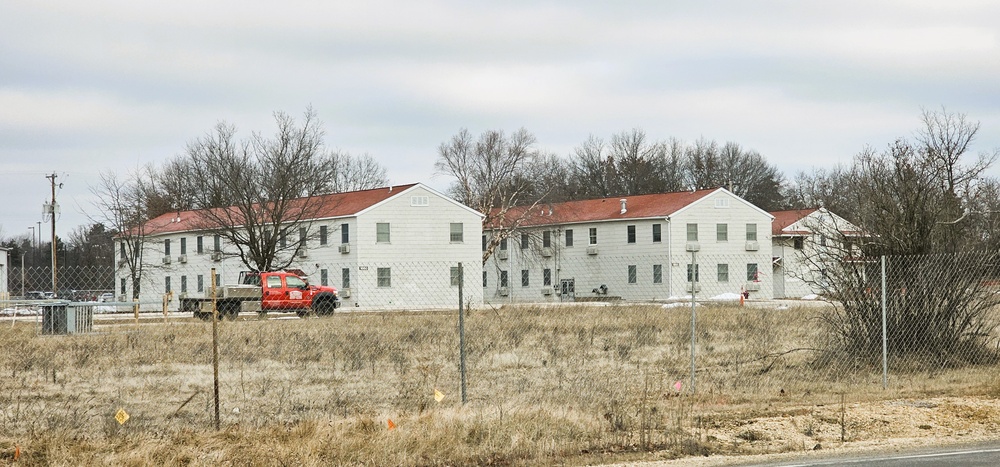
(692, 232)
(722, 232)
(382, 232)
(457, 234)
(384, 277)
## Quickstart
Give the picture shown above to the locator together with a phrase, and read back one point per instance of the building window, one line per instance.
(218, 279)
(692, 232)
(547, 239)
(385, 277)
(217, 243)
(751, 232)
(456, 278)
(524, 278)
(201, 283)
(632, 273)
(345, 233)
(324, 277)
(184, 246)
(420, 201)
(547, 277)
(657, 273)
(457, 234)
(484, 243)
(200, 244)
(484, 278)
(722, 203)
(569, 237)
(382, 232)
(822, 240)
(121, 249)
(593, 235)
(166, 284)
(503, 244)
(656, 233)
(322, 235)
(631, 233)
(751, 271)
(722, 272)
(302, 237)
(283, 239)
(722, 232)
(166, 247)
(524, 241)
(345, 278)
(797, 243)
(694, 268)
(503, 278)
(122, 287)
(184, 284)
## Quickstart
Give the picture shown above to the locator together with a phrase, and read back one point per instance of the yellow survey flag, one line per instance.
(438, 396)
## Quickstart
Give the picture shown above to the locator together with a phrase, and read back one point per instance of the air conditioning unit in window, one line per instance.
(752, 246)
(182, 259)
(122, 263)
(217, 256)
(501, 254)
(503, 292)
(344, 248)
(592, 250)
(344, 293)
(697, 287)
(546, 290)
(182, 295)
(166, 260)
(547, 252)
(303, 253)
(692, 246)
(753, 286)
(121, 298)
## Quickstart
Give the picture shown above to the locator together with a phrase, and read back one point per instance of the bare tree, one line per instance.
(630, 164)
(357, 172)
(121, 206)
(492, 176)
(946, 138)
(260, 194)
(744, 172)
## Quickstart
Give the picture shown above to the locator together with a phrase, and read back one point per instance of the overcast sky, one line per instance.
(93, 86)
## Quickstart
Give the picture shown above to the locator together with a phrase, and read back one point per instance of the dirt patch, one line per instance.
(878, 425)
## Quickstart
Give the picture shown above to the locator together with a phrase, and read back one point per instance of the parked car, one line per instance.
(106, 297)
(35, 295)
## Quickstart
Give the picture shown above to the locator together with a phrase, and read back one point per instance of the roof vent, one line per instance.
(624, 210)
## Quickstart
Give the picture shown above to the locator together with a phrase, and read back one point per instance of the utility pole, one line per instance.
(51, 211)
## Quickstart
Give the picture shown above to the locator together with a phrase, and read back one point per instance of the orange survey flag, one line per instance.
(392, 426)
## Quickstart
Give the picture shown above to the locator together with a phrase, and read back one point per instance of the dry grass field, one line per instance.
(546, 385)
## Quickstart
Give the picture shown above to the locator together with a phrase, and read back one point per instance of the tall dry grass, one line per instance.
(545, 385)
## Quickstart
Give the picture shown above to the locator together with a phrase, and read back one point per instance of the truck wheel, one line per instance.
(324, 307)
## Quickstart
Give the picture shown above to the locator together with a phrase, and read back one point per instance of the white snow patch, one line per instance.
(727, 296)
(679, 305)
(811, 296)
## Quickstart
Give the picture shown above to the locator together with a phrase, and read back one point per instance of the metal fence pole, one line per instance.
(461, 328)
(885, 342)
(694, 277)
(215, 348)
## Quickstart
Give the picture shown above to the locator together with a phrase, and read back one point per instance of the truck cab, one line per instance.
(285, 291)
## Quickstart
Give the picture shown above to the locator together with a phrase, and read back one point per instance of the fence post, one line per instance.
(694, 278)
(461, 328)
(215, 349)
(885, 342)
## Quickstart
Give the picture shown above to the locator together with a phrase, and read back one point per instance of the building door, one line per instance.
(567, 290)
(779, 280)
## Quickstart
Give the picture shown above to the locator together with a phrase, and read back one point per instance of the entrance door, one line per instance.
(567, 290)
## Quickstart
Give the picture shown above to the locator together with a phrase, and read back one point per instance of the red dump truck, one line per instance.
(262, 292)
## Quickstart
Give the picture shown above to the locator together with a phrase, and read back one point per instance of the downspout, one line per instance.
(670, 262)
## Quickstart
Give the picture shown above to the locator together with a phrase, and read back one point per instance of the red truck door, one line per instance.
(275, 295)
(298, 293)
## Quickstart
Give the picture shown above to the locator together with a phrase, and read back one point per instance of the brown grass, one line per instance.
(552, 385)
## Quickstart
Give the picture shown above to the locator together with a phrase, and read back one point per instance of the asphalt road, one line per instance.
(987, 454)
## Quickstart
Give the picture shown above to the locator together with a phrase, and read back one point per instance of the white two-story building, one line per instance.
(804, 243)
(387, 248)
(654, 247)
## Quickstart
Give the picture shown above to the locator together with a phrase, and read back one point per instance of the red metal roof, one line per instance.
(332, 205)
(783, 219)
(604, 209)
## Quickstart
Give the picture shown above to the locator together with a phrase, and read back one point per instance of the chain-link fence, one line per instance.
(608, 338)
